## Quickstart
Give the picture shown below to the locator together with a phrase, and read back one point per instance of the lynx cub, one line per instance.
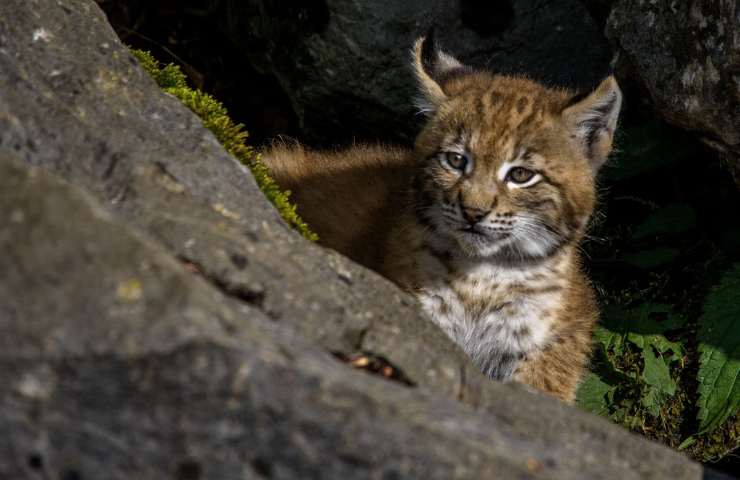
(481, 221)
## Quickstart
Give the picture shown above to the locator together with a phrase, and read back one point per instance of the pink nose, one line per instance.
(473, 215)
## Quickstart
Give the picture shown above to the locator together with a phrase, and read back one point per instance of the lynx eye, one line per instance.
(455, 160)
(520, 175)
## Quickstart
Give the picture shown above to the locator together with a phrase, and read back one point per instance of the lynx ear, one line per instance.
(592, 120)
(432, 67)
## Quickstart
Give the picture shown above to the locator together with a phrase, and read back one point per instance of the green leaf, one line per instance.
(668, 220)
(659, 342)
(609, 340)
(657, 373)
(719, 347)
(657, 376)
(615, 321)
(687, 443)
(593, 394)
(644, 325)
(650, 323)
(649, 259)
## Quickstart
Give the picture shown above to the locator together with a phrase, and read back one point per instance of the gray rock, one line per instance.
(344, 63)
(159, 320)
(99, 121)
(686, 56)
(116, 359)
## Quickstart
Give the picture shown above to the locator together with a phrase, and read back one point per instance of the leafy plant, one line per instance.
(629, 334)
(594, 394)
(641, 375)
(667, 351)
(719, 346)
(230, 135)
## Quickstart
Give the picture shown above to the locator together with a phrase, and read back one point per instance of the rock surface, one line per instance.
(345, 63)
(98, 120)
(686, 56)
(116, 359)
(159, 320)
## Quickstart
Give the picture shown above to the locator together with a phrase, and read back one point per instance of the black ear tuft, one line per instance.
(577, 98)
(432, 68)
(429, 50)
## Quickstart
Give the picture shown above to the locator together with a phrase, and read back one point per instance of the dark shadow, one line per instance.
(486, 17)
(188, 34)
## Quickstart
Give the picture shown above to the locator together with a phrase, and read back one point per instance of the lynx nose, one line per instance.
(474, 215)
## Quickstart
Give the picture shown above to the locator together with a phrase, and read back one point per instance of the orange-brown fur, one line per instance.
(345, 196)
(392, 209)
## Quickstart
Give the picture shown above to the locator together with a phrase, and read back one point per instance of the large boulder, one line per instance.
(686, 57)
(344, 63)
(159, 320)
(83, 108)
(116, 359)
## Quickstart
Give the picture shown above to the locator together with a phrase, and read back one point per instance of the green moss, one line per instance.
(230, 135)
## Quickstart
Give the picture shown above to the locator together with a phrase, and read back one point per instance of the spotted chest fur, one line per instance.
(498, 315)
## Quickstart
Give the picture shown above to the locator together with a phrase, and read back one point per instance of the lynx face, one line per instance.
(507, 166)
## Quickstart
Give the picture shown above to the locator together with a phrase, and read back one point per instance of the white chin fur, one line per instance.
(480, 246)
(536, 244)
(535, 247)
(527, 243)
